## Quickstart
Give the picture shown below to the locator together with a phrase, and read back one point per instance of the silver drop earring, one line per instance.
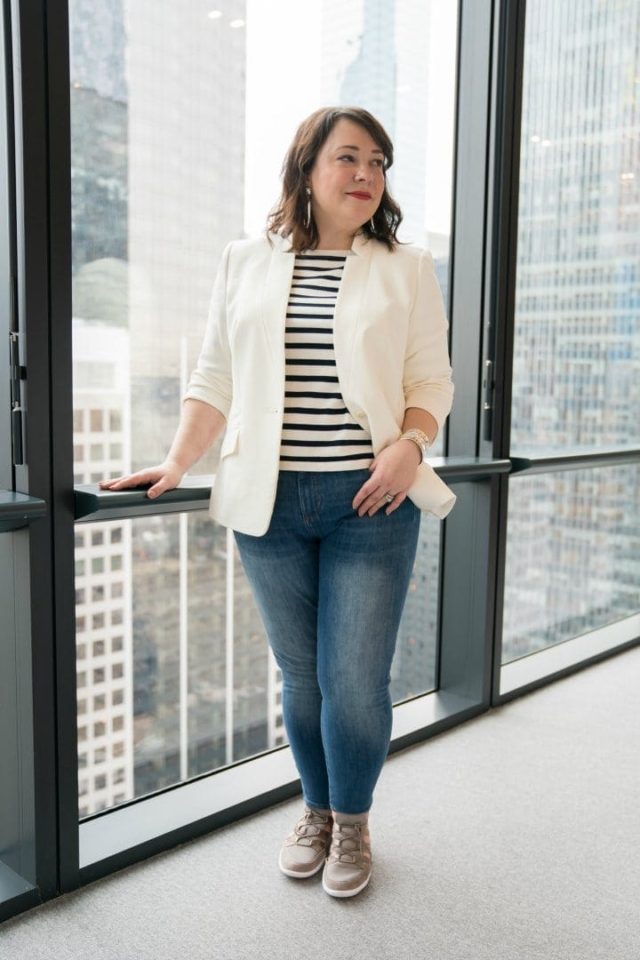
(307, 222)
(372, 225)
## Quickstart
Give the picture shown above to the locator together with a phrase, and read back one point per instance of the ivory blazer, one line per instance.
(390, 342)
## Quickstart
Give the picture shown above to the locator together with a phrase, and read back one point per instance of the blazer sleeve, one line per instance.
(211, 380)
(427, 370)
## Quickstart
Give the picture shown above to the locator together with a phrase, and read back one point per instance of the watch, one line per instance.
(420, 438)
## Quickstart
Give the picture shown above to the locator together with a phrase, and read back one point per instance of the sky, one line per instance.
(284, 85)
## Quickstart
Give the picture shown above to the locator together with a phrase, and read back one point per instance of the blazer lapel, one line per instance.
(276, 296)
(349, 306)
(348, 310)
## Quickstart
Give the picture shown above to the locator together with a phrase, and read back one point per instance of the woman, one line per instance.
(325, 356)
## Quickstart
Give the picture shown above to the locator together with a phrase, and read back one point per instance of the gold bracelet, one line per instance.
(420, 438)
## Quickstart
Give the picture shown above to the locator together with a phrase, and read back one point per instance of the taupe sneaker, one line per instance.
(348, 867)
(305, 850)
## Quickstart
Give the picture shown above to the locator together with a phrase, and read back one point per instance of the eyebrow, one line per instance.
(350, 146)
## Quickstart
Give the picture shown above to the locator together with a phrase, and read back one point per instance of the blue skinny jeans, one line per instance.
(330, 587)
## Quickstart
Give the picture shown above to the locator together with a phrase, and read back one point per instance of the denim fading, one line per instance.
(330, 587)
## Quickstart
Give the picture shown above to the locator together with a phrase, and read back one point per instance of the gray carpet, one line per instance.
(513, 836)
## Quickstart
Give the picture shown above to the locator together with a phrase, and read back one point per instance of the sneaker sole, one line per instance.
(297, 873)
(345, 893)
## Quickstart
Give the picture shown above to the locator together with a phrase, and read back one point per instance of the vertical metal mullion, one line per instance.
(505, 180)
(7, 252)
(466, 569)
(57, 216)
(62, 508)
(229, 659)
(33, 476)
(183, 643)
(505, 177)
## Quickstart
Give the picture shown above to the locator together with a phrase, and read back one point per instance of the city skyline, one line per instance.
(173, 154)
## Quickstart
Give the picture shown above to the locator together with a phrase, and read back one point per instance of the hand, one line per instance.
(165, 476)
(392, 471)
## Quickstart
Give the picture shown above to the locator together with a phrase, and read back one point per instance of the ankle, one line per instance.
(350, 817)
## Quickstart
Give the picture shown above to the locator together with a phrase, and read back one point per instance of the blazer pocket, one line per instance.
(230, 442)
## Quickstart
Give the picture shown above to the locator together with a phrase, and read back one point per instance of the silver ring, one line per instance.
(389, 497)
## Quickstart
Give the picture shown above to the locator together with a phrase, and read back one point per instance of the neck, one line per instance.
(335, 241)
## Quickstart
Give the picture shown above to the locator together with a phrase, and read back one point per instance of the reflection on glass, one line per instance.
(572, 548)
(414, 666)
(174, 677)
(178, 130)
(174, 674)
(576, 373)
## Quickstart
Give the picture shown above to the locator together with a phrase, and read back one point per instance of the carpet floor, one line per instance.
(514, 836)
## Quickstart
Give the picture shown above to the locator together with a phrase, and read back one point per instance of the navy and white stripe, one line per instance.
(318, 432)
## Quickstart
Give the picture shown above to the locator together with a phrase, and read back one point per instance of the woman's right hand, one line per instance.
(165, 476)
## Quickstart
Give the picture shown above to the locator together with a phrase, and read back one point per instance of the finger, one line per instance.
(367, 492)
(374, 509)
(397, 500)
(370, 502)
(369, 487)
(109, 482)
(379, 504)
(158, 488)
(133, 480)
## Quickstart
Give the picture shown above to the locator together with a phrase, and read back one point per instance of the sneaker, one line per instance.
(305, 850)
(348, 867)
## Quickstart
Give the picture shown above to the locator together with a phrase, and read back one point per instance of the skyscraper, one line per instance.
(158, 189)
(576, 367)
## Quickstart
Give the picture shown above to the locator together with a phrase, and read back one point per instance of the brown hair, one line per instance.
(288, 216)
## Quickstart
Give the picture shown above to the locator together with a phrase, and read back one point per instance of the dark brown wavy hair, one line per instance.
(288, 216)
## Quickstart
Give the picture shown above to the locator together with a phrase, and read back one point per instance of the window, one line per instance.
(135, 260)
(579, 573)
(577, 337)
(96, 420)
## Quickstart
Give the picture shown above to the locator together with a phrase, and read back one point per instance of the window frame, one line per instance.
(482, 272)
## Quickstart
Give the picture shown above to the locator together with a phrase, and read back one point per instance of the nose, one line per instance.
(362, 173)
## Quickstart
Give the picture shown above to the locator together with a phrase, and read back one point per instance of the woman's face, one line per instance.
(347, 179)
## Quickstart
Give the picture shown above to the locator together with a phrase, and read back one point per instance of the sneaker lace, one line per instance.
(348, 843)
(309, 827)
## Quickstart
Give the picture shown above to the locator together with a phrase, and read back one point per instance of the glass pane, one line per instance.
(174, 674)
(414, 668)
(576, 374)
(178, 131)
(572, 555)
(172, 680)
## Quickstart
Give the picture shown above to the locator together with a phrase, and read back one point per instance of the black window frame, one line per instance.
(477, 462)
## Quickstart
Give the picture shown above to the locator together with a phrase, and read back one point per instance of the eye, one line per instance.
(345, 156)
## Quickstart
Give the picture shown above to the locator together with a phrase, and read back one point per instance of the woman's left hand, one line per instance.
(392, 472)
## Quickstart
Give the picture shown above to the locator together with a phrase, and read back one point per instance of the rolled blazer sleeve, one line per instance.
(427, 370)
(211, 380)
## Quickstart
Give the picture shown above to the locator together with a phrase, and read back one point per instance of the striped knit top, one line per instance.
(318, 432)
